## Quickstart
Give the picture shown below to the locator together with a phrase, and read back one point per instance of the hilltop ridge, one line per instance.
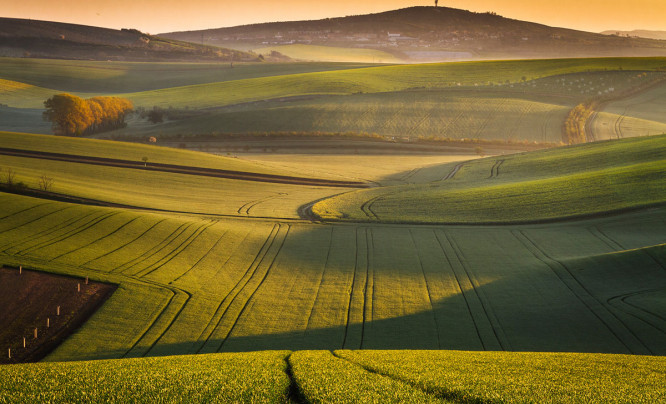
(47, 39)
(429, 34)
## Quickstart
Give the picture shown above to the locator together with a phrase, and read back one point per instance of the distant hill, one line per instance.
(641, 33)
(45, 39)
(430, 34)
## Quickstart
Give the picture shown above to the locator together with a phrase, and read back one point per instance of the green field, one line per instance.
(530, 277)
(345, 377)
(283, 283)
(523, 100)
(556, 183)
(330, 54)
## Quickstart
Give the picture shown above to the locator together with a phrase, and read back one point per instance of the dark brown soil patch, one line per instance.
(28, 299)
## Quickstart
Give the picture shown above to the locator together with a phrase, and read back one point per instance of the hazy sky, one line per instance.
(155, 16)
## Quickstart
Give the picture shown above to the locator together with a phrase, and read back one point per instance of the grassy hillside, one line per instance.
(55, 40)
(346, 376)
(563, 182)
(118, 77)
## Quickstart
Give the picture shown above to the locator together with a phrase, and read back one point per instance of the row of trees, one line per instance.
(74, 116)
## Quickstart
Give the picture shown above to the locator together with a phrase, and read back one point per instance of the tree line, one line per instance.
(74, 116)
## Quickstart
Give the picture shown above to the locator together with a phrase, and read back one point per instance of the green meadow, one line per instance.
(529, 277)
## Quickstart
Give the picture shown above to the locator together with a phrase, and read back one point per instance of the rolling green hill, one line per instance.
(557, 183)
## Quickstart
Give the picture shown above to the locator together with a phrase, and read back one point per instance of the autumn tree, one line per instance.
(73, 116)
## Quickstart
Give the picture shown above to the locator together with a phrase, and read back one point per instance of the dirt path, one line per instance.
(171, 168)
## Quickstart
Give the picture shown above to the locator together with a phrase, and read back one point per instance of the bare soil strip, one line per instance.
(30, 298)
(171, 168)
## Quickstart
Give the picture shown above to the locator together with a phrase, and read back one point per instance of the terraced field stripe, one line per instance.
(214, 326)
(356, 308)
(71, 233)
(116, 230)
(126, 244)
(427, 284)
(174, 253)
(616, 327)
(486, 332)
(153, 250)
(258, 278)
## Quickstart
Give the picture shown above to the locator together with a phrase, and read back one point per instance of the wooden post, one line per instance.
(20, 269)
(86, 280)
(35, 332)
(48, 322)
(9, 352)
(58, 311)
(23, 342)
(78, 287)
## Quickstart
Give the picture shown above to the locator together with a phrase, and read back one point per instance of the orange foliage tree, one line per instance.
(73, 116)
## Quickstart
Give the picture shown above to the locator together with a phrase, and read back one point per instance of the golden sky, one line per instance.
(156, 16)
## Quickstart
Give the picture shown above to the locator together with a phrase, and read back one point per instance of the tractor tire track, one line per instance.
(485, 302)
(652, 319)
(71, 233)
(321, 277)
(203, 257)
(97, 240)
(224, 305)
(484, 329)
(175, 252)
(494, 171)
(35, 219)
(279, 241)
(154, 249)
(350, 326)
(368, 292)
(44, 233)
(427, 285)
(124, 245)
(25, 210)
(615, 326)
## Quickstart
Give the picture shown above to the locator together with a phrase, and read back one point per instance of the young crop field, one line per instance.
(524, 100)
(225, 266)
(557, 183)
(344, 377)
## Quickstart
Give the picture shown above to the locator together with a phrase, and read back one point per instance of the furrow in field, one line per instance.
(166, 258)
(206, 339)
(320, 281)
(160, 323)
(32, 235)
(30, 220)
(485, 302)
(35, 206)
(428, 287)
(654, 320)
(129, 242)
(327, 323)
(355, 308)
(614, 325)
(477, 311)
(368, 293)
(71, 233)
(203, 257)
(153, 250)
(239, 304)
(97, 240)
